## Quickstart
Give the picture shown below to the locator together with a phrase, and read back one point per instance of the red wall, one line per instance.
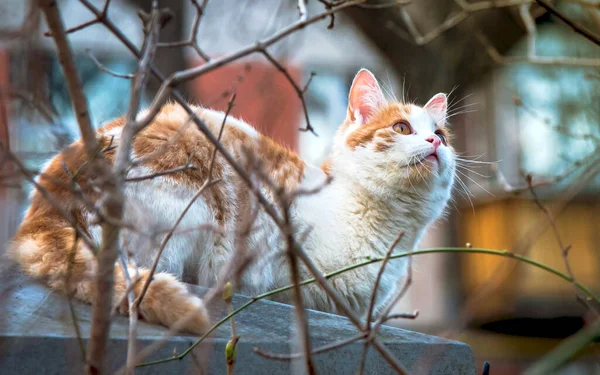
(265, 98)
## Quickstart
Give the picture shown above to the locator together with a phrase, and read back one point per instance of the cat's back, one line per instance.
(174, 140)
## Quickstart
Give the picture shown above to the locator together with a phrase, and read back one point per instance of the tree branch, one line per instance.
(577, 28)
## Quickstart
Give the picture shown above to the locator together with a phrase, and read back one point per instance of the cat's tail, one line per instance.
(45, 248)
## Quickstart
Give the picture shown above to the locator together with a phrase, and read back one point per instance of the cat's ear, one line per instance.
(365, 97)
(437, 107)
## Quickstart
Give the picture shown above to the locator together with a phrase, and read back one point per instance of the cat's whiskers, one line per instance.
(420, 174)
(465, 192)
(475, 182)
(388, 89)
(464, 167)
(452, 201)
(460, 113)
(458, 108)
(475, 161)
(409, 169)
(454, 103)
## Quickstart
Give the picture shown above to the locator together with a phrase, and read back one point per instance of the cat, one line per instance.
(391, 169)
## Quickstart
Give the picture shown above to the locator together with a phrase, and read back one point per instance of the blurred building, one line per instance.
(531, 118)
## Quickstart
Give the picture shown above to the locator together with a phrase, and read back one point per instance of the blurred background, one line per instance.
(525, 94)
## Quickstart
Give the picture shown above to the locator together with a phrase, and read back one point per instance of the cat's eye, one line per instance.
(402, 127)
(442, 137)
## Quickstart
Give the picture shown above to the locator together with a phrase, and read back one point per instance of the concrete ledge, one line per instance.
(37, 337)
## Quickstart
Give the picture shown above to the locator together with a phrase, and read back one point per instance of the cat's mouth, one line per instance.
(431, 158)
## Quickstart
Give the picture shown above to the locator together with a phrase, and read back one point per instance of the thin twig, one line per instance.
(301, 318)
(70, 298)
(466, 10)
(539, 60)
(99, 18)
(165, 172)
(230, 348)
(367, 327)
(577, 28)
(412, 315)
(390, 4)
(564, 249)
(378, 278)
(192, 40)
(322, 349)
(133, 315)
(105, 69)
(394, 301)
(299, 92)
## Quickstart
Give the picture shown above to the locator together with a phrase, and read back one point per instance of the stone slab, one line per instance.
(37, 336)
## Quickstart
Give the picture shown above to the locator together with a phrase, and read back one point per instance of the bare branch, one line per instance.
(577, 28)
(166, 172)
(390, 4)
(539, 60)
(299, 91)
(378, 278)
(133, 315)
(105, 69)
(70, 71)
(99, 18)
(298, 301)
(412, 315)
(192, 40)
(394, 301)
(322, 349)
(564, 249)
(466, 10)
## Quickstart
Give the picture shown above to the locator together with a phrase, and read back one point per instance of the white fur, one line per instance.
(216, 118)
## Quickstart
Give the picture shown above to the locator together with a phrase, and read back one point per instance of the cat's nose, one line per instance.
(434, 140)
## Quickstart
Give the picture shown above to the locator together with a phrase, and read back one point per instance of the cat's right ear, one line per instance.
(365, 97)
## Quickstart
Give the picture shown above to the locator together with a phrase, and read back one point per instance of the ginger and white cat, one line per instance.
(391, 170)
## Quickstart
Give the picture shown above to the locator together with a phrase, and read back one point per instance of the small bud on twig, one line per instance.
(227, 292)
(230, 350)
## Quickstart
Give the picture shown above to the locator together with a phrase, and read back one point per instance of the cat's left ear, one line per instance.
(365, 97)
(437, 107)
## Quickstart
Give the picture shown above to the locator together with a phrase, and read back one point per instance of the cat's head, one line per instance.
(391, 147)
